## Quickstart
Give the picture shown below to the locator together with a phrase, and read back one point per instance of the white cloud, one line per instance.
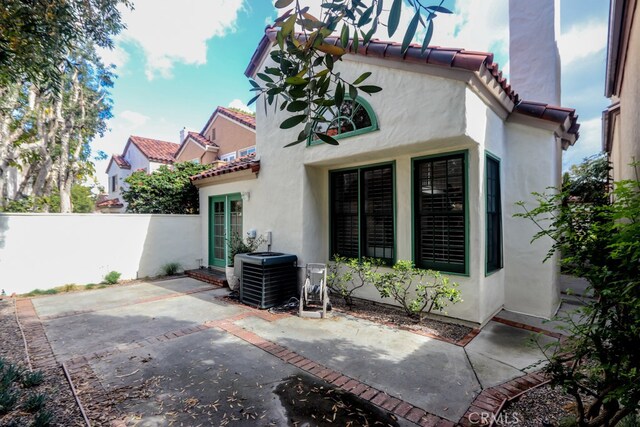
(582, 40)
(589, 143)
(175, 31)
(475, 25)
(237, 103)
(116, 56)
(134, 119)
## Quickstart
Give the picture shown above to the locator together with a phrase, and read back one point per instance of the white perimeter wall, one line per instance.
(48, 250)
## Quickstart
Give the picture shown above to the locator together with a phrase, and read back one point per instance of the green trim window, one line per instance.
(362, 212)
(440, 213)
(352, 118)
(494, 215)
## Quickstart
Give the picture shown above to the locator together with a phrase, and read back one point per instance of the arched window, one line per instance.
(352, 118)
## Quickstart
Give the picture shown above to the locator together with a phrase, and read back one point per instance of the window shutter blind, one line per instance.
(440, 240)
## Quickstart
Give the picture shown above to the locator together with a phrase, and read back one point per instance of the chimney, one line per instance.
(534, 59)
(183, 134)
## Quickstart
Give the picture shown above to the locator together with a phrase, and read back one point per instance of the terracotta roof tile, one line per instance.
(240, 164)
(201, 139)
(121, 161)
(560, 115)
(242, 118)
(154, 149)
(438, 56)
(110, 203)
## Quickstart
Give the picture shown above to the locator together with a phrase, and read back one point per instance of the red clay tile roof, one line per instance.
(242, 118)
(243, 163)
(110, 203)
(201, 139)
(566, 116)
(120, 162)
(154, 149)
(438, 56)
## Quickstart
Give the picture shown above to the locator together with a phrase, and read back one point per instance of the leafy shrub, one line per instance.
(8, 399)
(171, 268)
(43, 418)
(9, 373)
(34, 402)
(37, 292)
(416, 290)
(598, 362)
(32, 379)
(112, 277)
(347, 275)
(238, 245)
(67, 288)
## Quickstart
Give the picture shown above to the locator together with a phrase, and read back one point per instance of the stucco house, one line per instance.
(139, 153)
(427, 170)
(621, 120)
(227, 135)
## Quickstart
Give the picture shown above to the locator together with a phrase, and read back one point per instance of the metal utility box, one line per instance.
(267, 279)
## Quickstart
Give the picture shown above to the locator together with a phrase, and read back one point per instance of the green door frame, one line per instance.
(226, 199)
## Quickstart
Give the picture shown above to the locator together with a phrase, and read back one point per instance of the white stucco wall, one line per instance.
(48, 250)
(136, 159)
(418, 115)
(533, 165)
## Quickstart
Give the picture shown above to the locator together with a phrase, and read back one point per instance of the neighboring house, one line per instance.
(428, 170)
(139, 153)
(228, 135)
(621, 120)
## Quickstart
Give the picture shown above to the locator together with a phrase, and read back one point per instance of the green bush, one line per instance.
(417, 291)
(598, 362)
(8, 399)
(43, 418)
(37, 292)
(34, 403)
(112, 277)
(171, 268)
(347, 275)
(32, 379)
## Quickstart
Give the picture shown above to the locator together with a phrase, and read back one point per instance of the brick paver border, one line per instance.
(488, 404)
(535, 329)
(461, 343)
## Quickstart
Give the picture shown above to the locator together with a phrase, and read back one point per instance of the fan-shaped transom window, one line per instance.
(350, 119)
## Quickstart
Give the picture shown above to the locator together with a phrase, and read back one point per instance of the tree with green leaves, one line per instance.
(165, 191)
(37, 36)
(587, 182)
(598, 363)
(54, 94)
(304, 80)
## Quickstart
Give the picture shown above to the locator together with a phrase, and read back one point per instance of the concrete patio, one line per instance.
(173, 351)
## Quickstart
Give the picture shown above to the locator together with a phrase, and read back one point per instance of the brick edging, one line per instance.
(38, 346)
(351, 385)
(488, 404)
(520, 325)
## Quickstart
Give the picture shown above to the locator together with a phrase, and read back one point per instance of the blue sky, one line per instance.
(179, 59)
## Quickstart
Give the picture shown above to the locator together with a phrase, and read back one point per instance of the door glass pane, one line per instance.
(236, 217)
(218, 230)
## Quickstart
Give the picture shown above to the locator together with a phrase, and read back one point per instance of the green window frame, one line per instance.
(362, 212)
(351, 118)
(493, 261)
(440, 212)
